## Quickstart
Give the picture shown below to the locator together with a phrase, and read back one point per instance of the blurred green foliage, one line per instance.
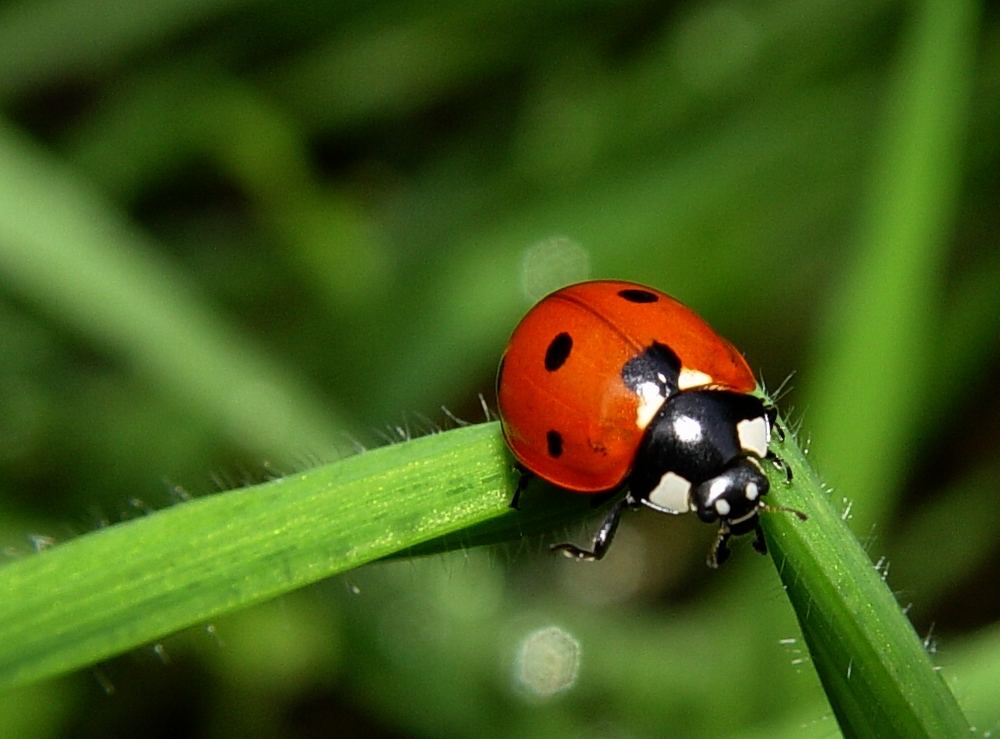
(243, 236)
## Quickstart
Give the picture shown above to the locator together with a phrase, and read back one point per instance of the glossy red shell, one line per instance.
(585, 400)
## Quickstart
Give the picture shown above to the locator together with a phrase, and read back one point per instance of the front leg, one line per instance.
(602, 539)
(759, 544)
(719, 552)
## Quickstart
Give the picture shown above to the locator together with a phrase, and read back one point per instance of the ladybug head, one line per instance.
(733, 496)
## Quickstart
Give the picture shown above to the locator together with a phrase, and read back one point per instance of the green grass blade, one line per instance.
(878, 677)
(126, 585)
(66, 248)
(129, 584)
(880, 347)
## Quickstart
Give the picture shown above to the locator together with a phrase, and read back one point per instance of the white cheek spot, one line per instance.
(672, 494)
(687, 429)
(650, 400)
(751, 491)
(690, 378)
(755, 434)
(722, 507)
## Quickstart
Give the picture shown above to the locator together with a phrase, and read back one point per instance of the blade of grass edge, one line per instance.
(131, 583)
(877, 675)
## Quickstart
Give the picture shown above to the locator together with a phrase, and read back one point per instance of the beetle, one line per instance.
(609, 384)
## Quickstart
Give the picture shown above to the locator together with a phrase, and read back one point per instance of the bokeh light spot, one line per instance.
(548, 661)
(551, 263)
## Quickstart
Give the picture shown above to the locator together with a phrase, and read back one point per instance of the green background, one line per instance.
(238, 239)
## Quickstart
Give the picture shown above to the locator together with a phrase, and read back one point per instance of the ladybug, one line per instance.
(611, 385)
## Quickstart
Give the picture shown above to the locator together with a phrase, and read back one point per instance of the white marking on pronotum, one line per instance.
(650, 400)
(722, 507)
(690, 378)
(672, 494)
(751, 491)
(755, 434)
(687, 429)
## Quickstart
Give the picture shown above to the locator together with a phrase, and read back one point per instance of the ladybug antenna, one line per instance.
(772, 508)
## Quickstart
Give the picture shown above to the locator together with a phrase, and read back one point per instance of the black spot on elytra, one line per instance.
(634, 295)
(558, 351)
(657, 364)
(554, 441)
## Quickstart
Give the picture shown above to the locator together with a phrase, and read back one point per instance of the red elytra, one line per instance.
(561, 387)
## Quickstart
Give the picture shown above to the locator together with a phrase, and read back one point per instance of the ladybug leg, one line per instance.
(719, 552)
(602, 539)
(524, 477)
(772, 419)
(780, 464)
(759, 544)
(779, 431)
